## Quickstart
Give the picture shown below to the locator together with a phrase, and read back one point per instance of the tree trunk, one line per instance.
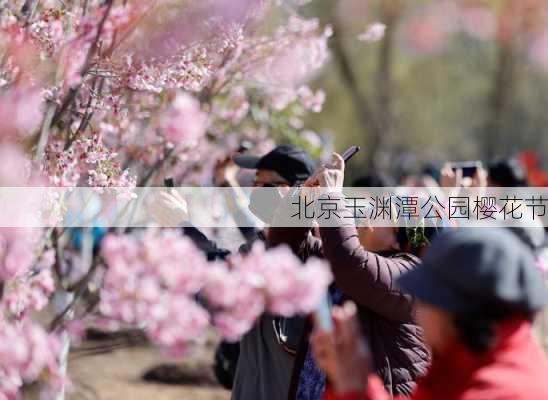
(366, 114)
(504, 79)
(376, 115)
(391, 13)
(500, 101)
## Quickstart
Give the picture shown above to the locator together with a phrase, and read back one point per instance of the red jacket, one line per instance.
(516, 369)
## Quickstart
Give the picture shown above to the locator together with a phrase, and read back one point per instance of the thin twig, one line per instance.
(145, 182)
(87, 64)
(80, 289)
(28, 10)
(88, 115)
(44, 132)
(58, 266)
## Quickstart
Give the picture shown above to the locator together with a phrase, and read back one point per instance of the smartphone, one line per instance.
(245, 145)
(469, 168)
(322, 315)
(350, 152)
(168, 182)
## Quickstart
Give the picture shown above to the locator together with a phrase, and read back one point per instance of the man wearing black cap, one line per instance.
(266, 355)
(477, 292)
(283, 167)
(267, 352)
(290, 163)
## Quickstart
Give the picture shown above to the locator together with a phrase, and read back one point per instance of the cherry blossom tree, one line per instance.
(118, 93)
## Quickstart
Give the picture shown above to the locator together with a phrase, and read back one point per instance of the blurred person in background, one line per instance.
(477, 293)
(372, 180)
(432, 170)
(506, 173)
(419, 181)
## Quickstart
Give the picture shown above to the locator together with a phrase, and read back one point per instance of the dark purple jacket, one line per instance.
(386, 313)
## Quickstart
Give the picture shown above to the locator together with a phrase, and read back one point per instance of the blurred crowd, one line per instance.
(429, 311)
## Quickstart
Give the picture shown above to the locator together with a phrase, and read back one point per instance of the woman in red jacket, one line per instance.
(477, 291)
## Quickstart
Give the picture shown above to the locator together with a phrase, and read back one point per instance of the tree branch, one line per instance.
(89, 58)
(366, 114)
(79, 290)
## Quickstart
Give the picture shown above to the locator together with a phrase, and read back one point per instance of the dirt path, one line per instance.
(116, 375)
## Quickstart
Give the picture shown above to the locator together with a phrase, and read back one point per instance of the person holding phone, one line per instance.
(365, 264)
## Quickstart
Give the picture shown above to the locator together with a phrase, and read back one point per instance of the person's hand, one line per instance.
(480, 178)
(310, 190)
(450, 178)
(225, 172)
(168, 209)
(330, 176)
(343, 354)
(323, 349)
(311, 182)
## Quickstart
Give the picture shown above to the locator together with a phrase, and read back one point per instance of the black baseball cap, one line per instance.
(468, 270)
(291, 162)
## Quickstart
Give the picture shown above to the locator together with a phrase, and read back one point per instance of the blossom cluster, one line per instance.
(184, 122)
(161, 282)
(25, 295)
(117, 94)
(271, 281)
(373, 33)
(88, 157)
(27, 281)
(150, 282)
(26, 353)
(17, 251)
(26, 350)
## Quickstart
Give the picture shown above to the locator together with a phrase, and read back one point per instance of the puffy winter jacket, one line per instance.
(386, 313)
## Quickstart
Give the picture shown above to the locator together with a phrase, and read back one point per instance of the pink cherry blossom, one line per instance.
(305, 56)
(373, 33)
(184, 321)
(290, 287)
(15, 166)
(24, 295)
(151, 278)
(238, 298)
(48, 31)
(26, 351)
(29, 287)
(273, 281)
(310, 100)
(17, 247)
(76, 330)
(20, 111)
(184, 122)
(150, 282)
(235, 107)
